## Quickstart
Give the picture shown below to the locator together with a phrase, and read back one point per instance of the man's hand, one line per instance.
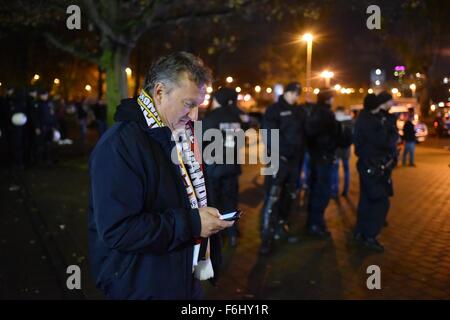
(211, 223)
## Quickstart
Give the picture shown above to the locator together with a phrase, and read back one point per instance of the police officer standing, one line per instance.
(322, 131)
(223, 178)
(285, 116)
(375, 145)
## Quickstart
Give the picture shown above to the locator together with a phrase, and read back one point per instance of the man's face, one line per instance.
(179, 104)
(291, 97)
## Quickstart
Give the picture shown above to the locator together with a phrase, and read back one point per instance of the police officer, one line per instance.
(223, 178)
(47, 124)
(375, 145)
(322, 132)
(285, 116)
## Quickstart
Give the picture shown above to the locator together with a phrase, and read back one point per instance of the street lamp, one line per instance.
(229, 79)
(413, 89)
(327, 75)
(308, 37)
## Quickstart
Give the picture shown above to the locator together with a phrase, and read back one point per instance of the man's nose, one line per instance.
(193, 114)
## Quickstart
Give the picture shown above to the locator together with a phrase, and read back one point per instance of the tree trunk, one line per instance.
(114, 62)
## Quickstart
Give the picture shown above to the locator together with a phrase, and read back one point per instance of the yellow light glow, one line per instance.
(370, 91)
(316, 91)
(36, 77)
(209, 89)
(229, 79)
(308, 37)
(394, 90)
(327, 74)
(128, 71)
(238, 89)
(433, 107)
(247, 97)
(269, 90)
(412, 86)
(258, 89)
(337, 87)
(88, 87)
(56, 81)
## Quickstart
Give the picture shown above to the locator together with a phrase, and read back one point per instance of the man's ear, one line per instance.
(158, 92)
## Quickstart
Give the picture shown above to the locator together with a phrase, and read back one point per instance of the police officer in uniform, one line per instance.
(223, 178)
(375, 145)
(322, 131)
(285, 116)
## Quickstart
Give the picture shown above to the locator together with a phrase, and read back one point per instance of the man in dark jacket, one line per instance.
(409, 136)
(322, 131)
(223, 177)
(151, 233)
(375, 145)
(284, 116)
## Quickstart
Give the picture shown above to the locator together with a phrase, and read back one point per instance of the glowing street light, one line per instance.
(56, 81)
(394, 90)
(238, 89)
(258, 89)
(327, 75)
(128, 71)
(36, 77)
(370, 91)
(229, 79)
(209, 89)
(433, 107)
(88, 88)
(337, 87)
(377, 82)
(308, 38)
(378, 72)
(316, 91)
(269, 90)
(412, 86)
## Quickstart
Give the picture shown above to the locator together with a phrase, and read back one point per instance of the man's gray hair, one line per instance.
(167, 70)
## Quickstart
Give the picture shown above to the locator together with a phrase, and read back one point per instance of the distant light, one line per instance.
(412, 86)
(445, 80)
(247, 97)
(394, 90)
(399, 94)
(229, 79)
(348, 91)
(36, 77)
(396, 73)
(240, 97)
(433, 107)
(416, 117)
(238, 89)
(269, 90)
(361, 90)
(258, 89)
(377, 82)
(370, 91)
(207, 96)
(316, 91)
(378, 72)
(209, 89)
(441, 104)
(352, 90)
(400, 68)
(337, 87)
(343, 90)
(0, 84)
(327, 74)
(418, 75)
(128, 71)
(56, 81)
(88, 87)
(308, 37)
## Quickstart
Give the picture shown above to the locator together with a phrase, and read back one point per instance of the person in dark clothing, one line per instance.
(82, 114)
(152, 234)
(100, 113)
(409, 137)
(17, 104)
(47, 125)
(224, 177)
(376, 137)
(322, 131)
(285, 116)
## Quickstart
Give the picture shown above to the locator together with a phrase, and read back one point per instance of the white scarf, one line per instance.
(191, 172)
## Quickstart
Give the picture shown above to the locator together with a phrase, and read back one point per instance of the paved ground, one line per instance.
(43, 230)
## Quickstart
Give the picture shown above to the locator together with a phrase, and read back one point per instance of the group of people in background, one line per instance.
(32, 123)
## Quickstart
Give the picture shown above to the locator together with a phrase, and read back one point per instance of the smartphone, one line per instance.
(231, 216)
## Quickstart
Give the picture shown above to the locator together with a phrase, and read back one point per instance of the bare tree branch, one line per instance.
(70, 49)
